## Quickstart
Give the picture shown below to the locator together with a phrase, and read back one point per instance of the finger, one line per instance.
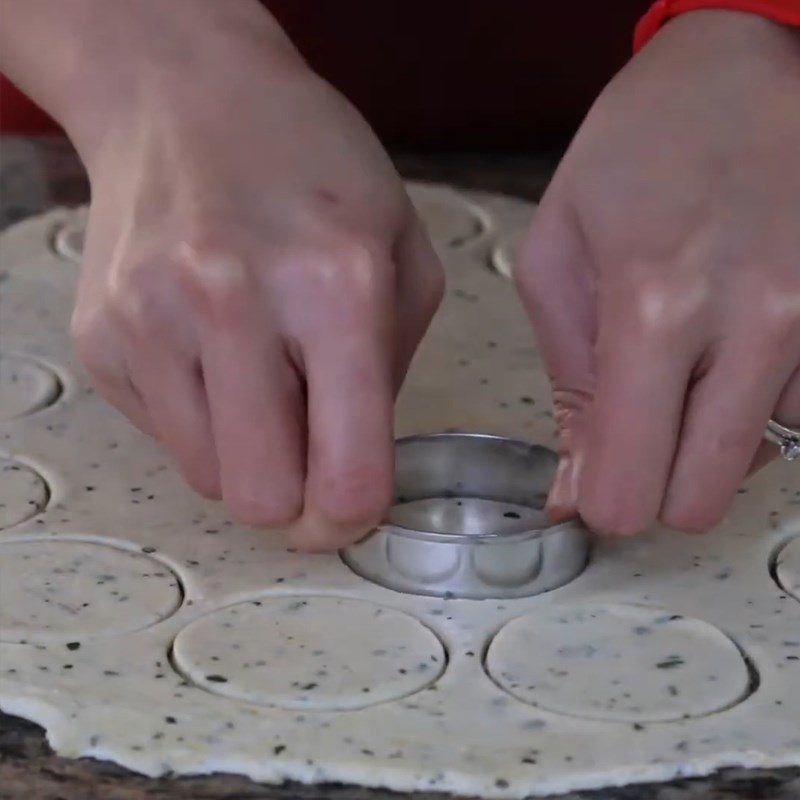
(554, 276)
(171, 385)
(350, 410)
(103, 358)
(258, 416)
(723, 428)
(787, 412)
(419, 290)
(644, 364)
(118, 390)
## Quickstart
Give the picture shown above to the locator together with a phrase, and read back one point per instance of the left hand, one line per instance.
(662, 276)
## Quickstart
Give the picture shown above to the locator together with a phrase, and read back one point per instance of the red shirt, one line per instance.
(450, 73)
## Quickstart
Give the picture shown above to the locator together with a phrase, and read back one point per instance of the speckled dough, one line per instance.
(312, 653)
(145, 698)
(74, 590)
(787, 567)
(632, 663)
(451, 221)
(23, 493)
(25, 386)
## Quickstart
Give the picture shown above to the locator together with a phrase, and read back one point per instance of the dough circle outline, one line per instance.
(655, 666)
(786, 567)
(24, 492)
(35, 597)
(451, 220)
(297, 656)
(20, 375)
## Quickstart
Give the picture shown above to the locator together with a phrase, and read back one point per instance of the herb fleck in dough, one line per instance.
(316, 653)
(618, 663)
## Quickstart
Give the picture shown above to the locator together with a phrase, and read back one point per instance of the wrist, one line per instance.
(113, 63)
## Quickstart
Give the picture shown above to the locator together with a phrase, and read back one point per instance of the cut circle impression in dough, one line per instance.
(25, 386)
(619, 663)
(309, 653)
(23, 493)
(787, 568)
(72, 590)
(450, 221)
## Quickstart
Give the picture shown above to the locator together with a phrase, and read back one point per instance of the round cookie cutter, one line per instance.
(469, 522)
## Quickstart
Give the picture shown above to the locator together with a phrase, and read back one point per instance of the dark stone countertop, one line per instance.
(37, 173)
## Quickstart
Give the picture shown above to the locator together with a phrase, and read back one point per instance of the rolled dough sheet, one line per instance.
(138, 680)
(316, 653)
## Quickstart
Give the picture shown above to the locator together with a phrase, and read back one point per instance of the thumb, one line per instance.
(555, 279)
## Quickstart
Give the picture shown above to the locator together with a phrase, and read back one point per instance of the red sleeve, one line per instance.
(786, 12)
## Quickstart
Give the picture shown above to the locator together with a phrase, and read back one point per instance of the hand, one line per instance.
(662, 276)
(255, 284)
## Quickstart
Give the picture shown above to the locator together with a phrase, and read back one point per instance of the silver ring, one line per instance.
(786, 439)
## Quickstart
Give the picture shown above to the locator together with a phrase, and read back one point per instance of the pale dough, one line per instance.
(787, 568)
(23, 493)
(136, 689)
(623, 663)
(451, 221)
(25, 386)
(68, 590)
(313, 653)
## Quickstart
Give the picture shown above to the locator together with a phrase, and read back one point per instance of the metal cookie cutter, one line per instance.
(786, 439)
(468, 521)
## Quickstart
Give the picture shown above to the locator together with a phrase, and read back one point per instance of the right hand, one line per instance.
(255, 284)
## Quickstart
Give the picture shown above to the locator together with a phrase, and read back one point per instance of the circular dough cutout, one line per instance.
(618, 663)
(23, 493)
(72, 590)
(25, 386)
(787, 568)
(309, 653)
(450, 219)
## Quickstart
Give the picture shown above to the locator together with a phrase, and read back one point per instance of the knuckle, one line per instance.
(663, 307)
(348, 269)
(216, 274)
(141, 296)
